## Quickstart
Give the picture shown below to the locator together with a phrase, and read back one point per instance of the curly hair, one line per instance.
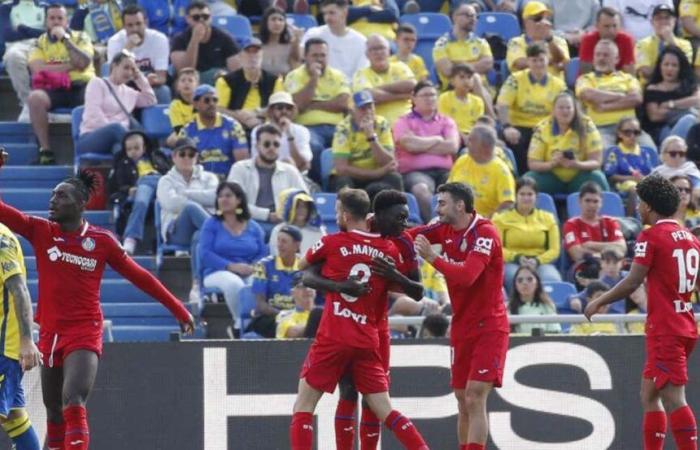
(388, 198)
(660, 194)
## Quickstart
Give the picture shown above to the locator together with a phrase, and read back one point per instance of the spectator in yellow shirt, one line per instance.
(565, 151)
(530, 236)
(489, 177)
(292, 323)
(406, 39)
(181, 111)
(608, 95)
(391, 83)
(525, 99)
(537, 20)
(466, 101)
(374, 17)
(689, 13)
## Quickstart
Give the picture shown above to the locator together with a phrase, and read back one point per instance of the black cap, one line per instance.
(293, 231)
(661, 9)
(184, 144)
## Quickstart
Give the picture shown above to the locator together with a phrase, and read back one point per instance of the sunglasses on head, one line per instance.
(524, 279)
(208, 100)
(268, 144)
(631, 132)
(186, 154)
(202, 16)
(676, 154)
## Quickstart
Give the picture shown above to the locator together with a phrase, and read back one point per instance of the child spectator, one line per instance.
(406, 39)
(296, 207)
(292, 322)
(435, 325)
(529, 298)
(594, 290)
(611, 273)
(181, 110)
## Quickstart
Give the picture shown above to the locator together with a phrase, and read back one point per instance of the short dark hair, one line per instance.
(461, 68)
(132, 10)
(355, 202)
(313, 41)
(459, 192)
(436, 324)
(267, 128)
(338, 3)
(590, 187)
(606, 11)
(388, 198)
(240, 195)
(406, 28)
(196, 4)
(526, 181)
(535, 50)
(596, 286)
(148, 144)
(422, 85)
(660, 194)
(55, 6)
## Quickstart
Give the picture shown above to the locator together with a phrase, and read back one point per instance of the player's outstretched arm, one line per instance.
(462, 274)
(313, 279)
(410, 285)
(623, 289)
(29, 356)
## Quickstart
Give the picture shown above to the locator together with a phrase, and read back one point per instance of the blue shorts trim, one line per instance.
(11, 390)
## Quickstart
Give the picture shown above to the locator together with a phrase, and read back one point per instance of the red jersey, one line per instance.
(404, 244)
(70, 267)
(576, 231)
(350, 320)
(672, 255)
(472, 262)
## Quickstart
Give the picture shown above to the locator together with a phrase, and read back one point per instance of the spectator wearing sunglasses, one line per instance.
(221, 141)
(528, 297)
(572, 19)
(674, 161)
(265, 177)
(206, 48)
(688, 213)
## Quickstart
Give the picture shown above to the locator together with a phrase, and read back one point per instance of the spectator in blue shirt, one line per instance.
(272, 281)
(230, 243)
(221, 141)
(611, 263)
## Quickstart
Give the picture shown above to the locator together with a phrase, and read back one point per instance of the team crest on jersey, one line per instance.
(88, 244)
(640, 249)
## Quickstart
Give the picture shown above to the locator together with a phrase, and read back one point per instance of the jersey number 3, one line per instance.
(361, 273)
(688, 263)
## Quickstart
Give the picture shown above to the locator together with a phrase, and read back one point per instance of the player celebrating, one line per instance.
(347, 337)
(18, 352)
(472, 264)
(668, 256)
(71, 258)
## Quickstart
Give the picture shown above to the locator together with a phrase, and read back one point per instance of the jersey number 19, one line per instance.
(688, 263)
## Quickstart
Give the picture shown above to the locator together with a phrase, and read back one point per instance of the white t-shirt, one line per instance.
(345, 53)
(302, 139)
(636, 15)
(152, 55)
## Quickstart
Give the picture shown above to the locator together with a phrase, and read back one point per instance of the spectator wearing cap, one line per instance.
(538, 29)
(272, 281)
(572, 19)
(206, 48)
(607, 26)
(636, 15)
(221, 141)
(461, 45)
(150, 48)
(265, 177)
(60, 67)
(297, 208)
(663, 22)
(426, 142)
(187, 195)
(363, 150)
(295, 146)
(109, 103)
(292, 323)
(321, 94)
(245, 93)
(230, 243)
(390, 83)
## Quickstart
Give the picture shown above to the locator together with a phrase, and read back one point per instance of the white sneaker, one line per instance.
(129, 245)
(59, 118)
(195, 296)
(24, 115)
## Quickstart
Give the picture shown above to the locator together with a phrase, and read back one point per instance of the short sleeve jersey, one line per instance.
(213, 53)
(492, 182)
(616, 82)
(465, 111)
(689, 8)
(416, 64)
(273, 280)
(529, 101)
(577, 232)
(331, 84)
(517, 48)
(369, 79)
(468, 50)
(11, 264)
(57, 53)
(351, 144)
(216, 144)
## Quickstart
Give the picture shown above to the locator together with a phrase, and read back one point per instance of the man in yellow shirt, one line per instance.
(538, 29)
(63, 59)
(406, 39)
(391, 83)
(608, 95)
(647, 50)
(689, 13)
(489, 177)
(374, 17)
(321, 95)
(363, 150)
(461, 45)
(292, 323)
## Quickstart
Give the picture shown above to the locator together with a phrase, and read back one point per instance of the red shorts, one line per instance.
(479, 358)
(326, 363)
(55, 347)
(667, 359)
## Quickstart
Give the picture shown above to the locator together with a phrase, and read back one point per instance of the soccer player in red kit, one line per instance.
(472, 263)
(348, 338)
(668, 256)
(71, 258)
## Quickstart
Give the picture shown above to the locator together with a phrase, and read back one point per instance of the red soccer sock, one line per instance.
(685, 432)
(301, 432)
(345, 424)
(77, 432)
(370, 429)
(654, 430)
(473, 446)
(55, 434)
(462, 446)
(404, 431)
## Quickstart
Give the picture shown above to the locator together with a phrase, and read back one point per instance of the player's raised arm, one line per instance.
(29, 356)
(623, 289)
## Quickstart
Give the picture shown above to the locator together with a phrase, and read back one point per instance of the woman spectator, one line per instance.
(229, 244)
(530, 236)
(109, 103)
(672, 98)
(137, 169)
(688, 213)
(181, 111)
(626, 163)
(566, 150)
(186, 194)
(529, 298)
(674, 161)
(297, 208)
(280, 42)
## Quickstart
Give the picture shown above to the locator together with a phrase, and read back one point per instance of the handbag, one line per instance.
(51, 81)
(133, 123)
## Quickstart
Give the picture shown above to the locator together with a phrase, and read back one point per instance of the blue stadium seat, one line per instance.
(27, 248)
(325, 205)
(560, 291)
(237, 26)
(246, 307)
(571, 73)
(511, 157)
(546, 202)
(424, 48)
(34, 176)
(104, 70)
(505, 71)
(303, 21)
(413, 209)
(21, 154)
(428, 25)
(431, 5)
(76, 119)
(612, 205)
(156, 121)
(503, 24)
(111, 291)
(147, 333)
(138, 314)
(161, 247)
(27, 198)
(14, 132)
(326, 167)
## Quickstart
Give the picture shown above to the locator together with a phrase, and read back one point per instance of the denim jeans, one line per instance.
(185, 231)
(107, 139)
(230, 285)
(145, 193)
(680, 128)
